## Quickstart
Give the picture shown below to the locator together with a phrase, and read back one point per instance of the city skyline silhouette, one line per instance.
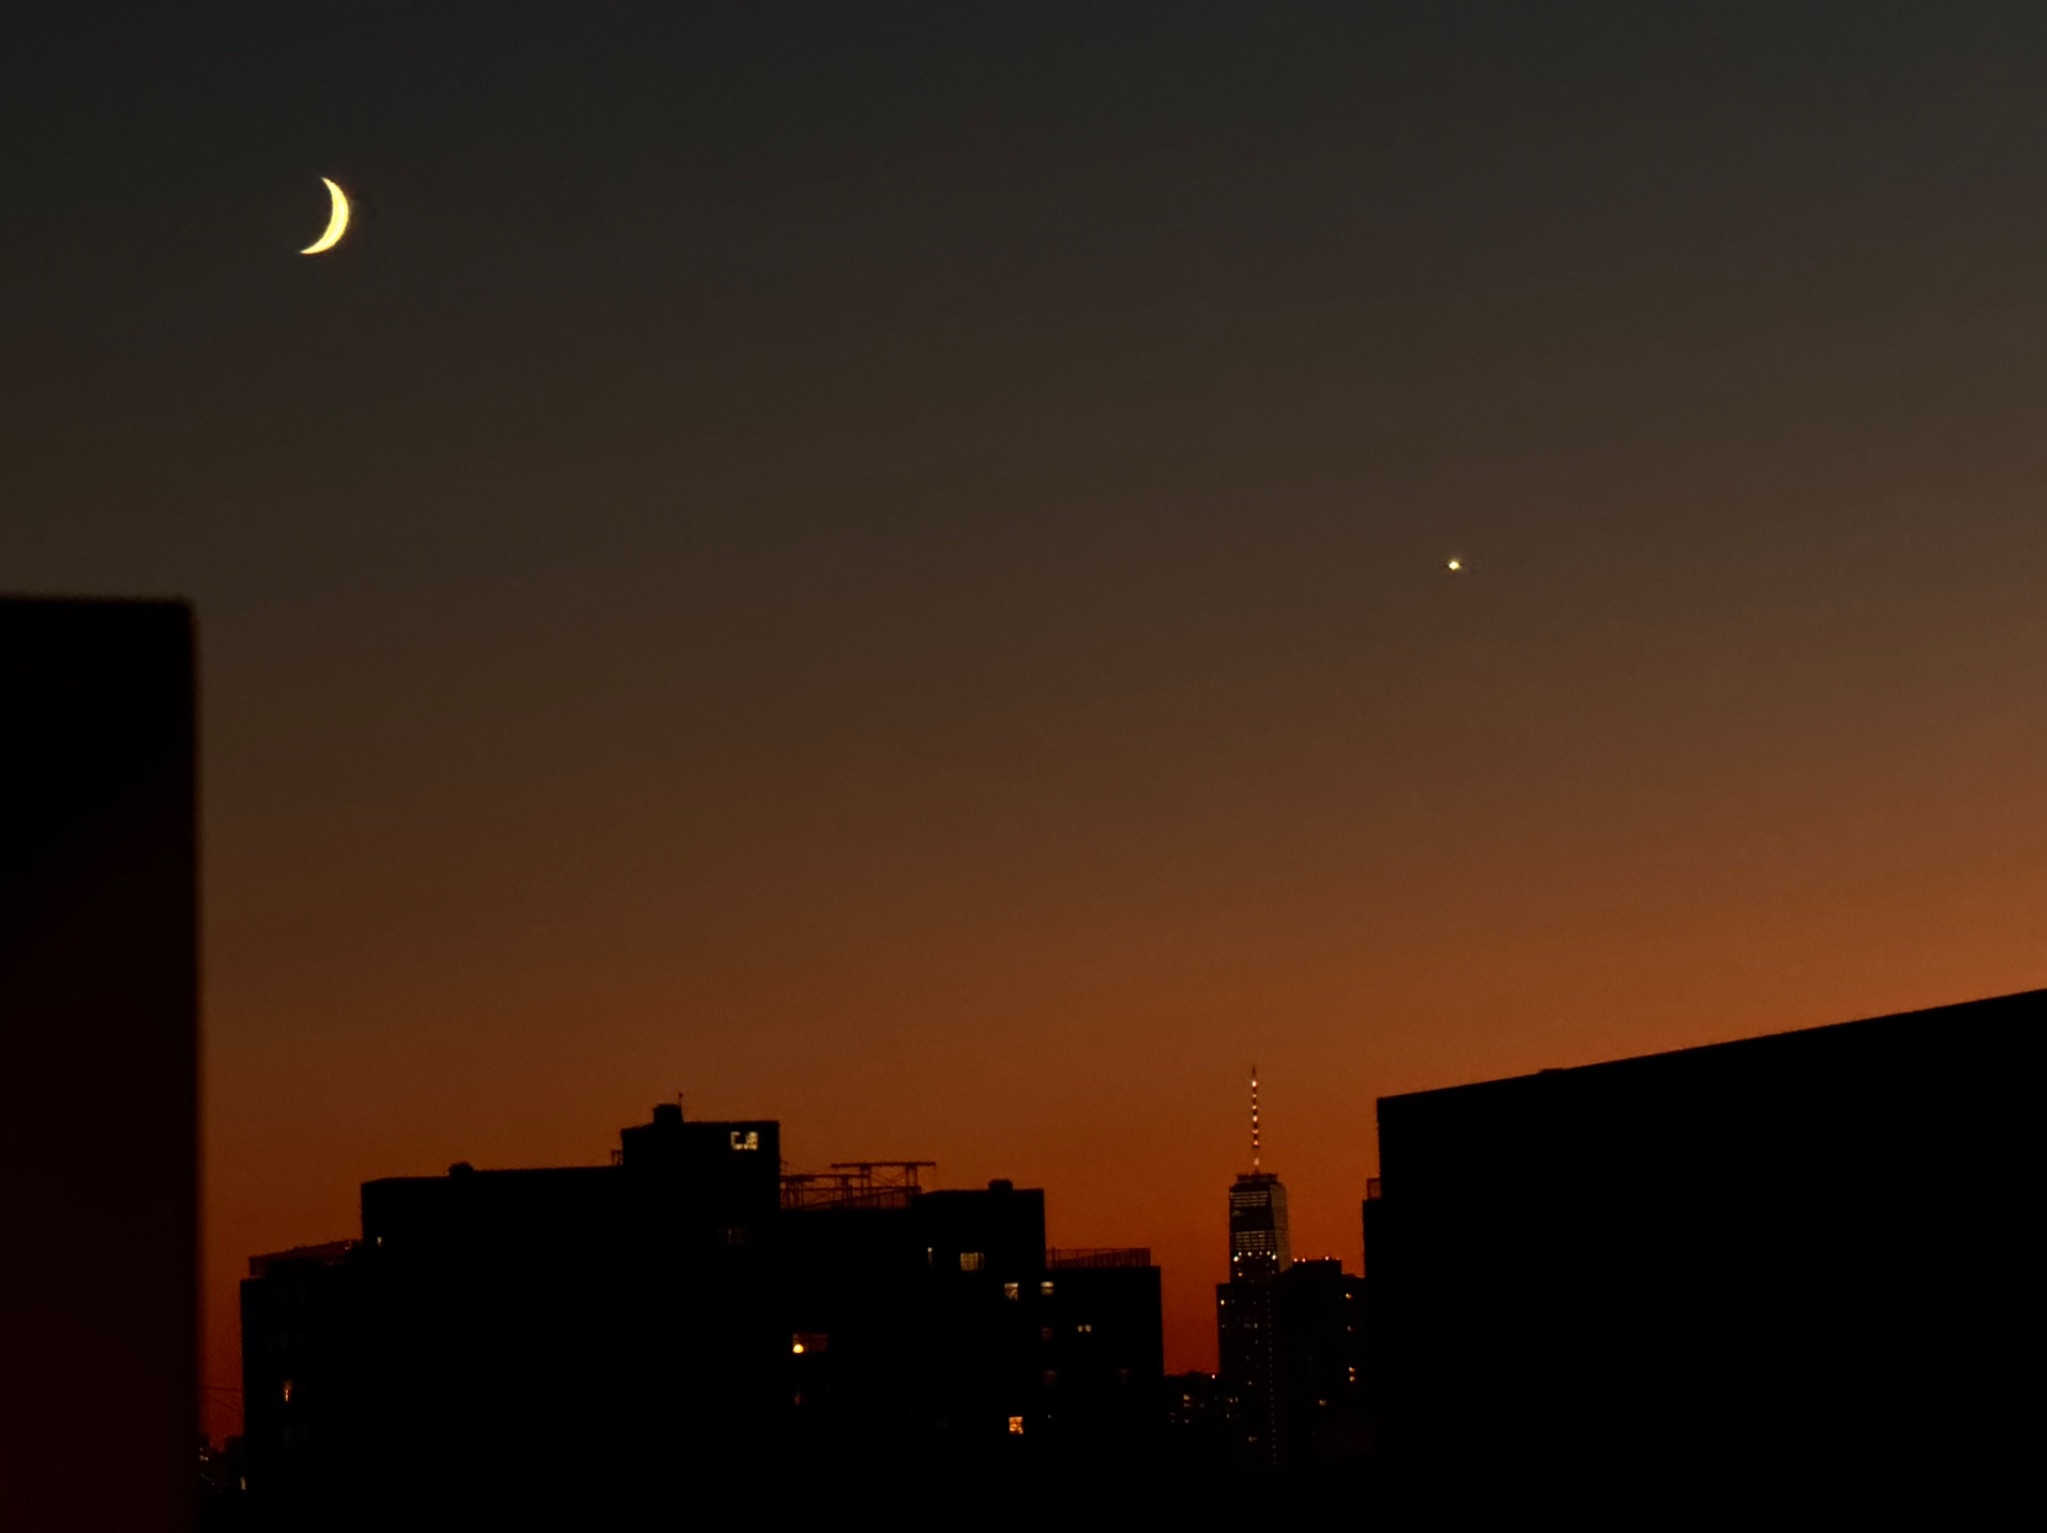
(1704, 1266)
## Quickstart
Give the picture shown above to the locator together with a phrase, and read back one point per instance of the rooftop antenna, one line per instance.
(1254, 1118)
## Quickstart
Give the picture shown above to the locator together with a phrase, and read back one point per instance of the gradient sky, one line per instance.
(884, 566)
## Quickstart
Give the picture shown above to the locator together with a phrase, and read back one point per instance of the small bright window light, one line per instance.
(1016, 1426)
(1010, 1290)
(970, 1261)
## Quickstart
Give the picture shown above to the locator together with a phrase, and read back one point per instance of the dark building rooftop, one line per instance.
(1795, 1255)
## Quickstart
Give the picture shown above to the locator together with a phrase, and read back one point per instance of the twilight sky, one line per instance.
(883, 565)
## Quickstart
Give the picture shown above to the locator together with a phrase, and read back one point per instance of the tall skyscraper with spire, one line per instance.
(1244, 1310)
(1259, 1246)
(1287, 1334)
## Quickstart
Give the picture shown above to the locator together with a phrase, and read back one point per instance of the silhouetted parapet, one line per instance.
(1099, 1256)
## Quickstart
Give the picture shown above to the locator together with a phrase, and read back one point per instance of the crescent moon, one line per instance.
(337, 222)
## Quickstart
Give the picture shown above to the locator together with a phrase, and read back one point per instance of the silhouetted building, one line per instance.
(675, 1325)
(305, 1377)
(917, 1320)
(609, 1327)
(939, 1319)
(1247, 1352)
(99, 1020)
(223, 1488)
(1203, 1425)
(1792, 1260)
(1292, 1349)
(1248, 1360)
(1259, 1244)
(1260, 1247)
(1320, 1370)
(1102, 1352)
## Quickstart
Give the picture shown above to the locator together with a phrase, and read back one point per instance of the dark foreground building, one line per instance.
(1294, 1363)
(1793, 1261)
(584, 1326)
(98, 1023)
(686, 1328)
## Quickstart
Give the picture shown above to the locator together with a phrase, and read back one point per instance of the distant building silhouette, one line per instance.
(99, 925)
(1260, 1246)
(1202, 1414)
(1289, 1341)
(1293, 1352)
(1247, 1359)
(682, 1319)
(1797, 1260)
(1320, 1376)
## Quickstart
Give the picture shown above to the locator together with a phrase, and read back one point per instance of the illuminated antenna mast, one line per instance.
(1254, 1117)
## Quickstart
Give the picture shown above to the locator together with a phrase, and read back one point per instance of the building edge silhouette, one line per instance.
(99, 1016)
(1795, 1263)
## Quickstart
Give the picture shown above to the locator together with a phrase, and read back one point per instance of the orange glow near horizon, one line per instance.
(949, 1043)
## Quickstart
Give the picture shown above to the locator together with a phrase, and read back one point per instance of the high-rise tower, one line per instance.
(1244, 1310)
(1259, 1247)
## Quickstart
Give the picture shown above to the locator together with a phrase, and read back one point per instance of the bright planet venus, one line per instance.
(337, 221)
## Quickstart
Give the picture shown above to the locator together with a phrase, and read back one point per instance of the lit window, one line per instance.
(1010, 1290)
(1016, 1426)
(1085, 1328)
(750, 1140)
(803, 1343)
(1045, 1288)
(970, 1261)
(287, 1391)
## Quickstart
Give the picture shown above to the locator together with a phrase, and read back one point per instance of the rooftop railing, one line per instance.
(1099, 1256)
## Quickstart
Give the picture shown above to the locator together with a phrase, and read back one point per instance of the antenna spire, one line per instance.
(1254, 1117)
